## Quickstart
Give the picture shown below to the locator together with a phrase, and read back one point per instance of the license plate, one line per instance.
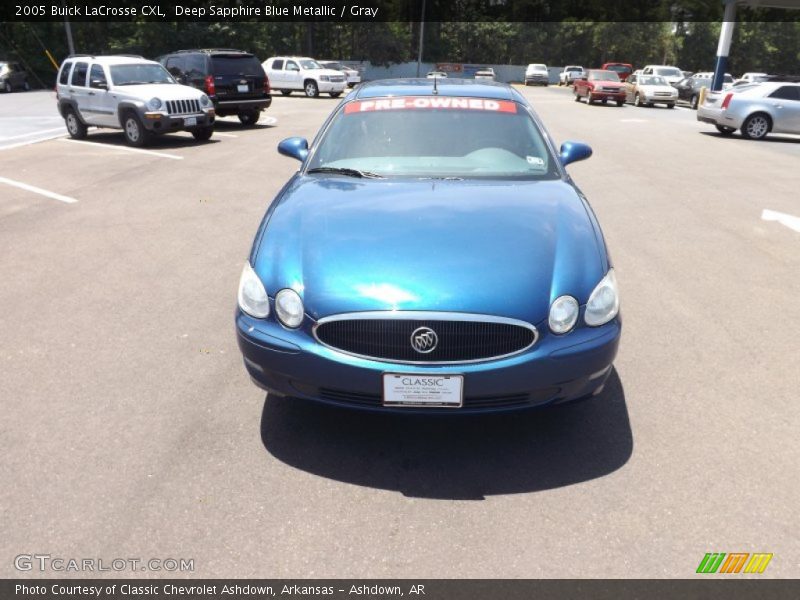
(189, 121)
(404, 389)
(243, 88)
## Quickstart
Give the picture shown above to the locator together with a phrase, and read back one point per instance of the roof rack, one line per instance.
(211, 50)
(106, 56)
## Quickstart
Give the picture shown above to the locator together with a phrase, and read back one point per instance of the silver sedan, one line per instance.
(755, 110)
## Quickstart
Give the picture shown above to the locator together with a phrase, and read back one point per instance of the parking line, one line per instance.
(220, 134)
(31, 133)
(789, 221)
(125, 148)
(37, 190)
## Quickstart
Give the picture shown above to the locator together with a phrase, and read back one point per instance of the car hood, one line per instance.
(501, 248)
(165, 91)
(652, 89)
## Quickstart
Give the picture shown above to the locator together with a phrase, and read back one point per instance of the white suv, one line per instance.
(130, 93)
(288, 74)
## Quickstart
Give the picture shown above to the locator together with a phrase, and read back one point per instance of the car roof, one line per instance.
(113, 59)
(423, 87)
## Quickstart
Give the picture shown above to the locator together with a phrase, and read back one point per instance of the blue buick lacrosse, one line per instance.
(430, 255)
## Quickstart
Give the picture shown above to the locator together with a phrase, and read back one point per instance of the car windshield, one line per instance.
(652, 80)
(619, 68)
(333, 65)
(309, 64)
(139, 74)
(669, 72)
(538, 68)
(436, 137)
(604, 76)
(245, 65)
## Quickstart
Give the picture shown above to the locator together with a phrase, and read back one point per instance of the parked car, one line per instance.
(486, 306)
(299, 73)
(487, 74)
(537, 74)
(751, 78)
(600, 85)
(352, 76)
(621, 69)
(130, 93)
(649, 90)
(672, 74)
(232, 79)
(13, 77)
(755, 110)
(689, 88)
(569, 74)
(436, 75)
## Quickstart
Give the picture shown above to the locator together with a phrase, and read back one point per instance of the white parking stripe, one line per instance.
(789, 221)
(123, 148)
(220, 134)
(36, 190)
(32, 133)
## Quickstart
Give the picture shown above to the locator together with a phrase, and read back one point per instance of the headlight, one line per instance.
(603, 304)
(563, 314)
(204, 101)
(154, 103)
(252, 296)
(289, 308)
(324, 78)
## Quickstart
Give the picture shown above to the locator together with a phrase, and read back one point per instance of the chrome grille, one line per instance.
(461, 337)
(611, 89)
(337, 78)
(519, 400)
(183, 107)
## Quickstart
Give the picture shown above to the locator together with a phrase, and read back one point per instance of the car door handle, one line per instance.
(91, 93)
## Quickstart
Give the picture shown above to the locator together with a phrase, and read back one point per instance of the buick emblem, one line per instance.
(424, 340)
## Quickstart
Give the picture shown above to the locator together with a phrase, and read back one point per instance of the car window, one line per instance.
(63, 77)
(291, 66)
(97, 78)
(175, 66)
(787, 92)
(79, 73)
(138, 74)
(310, 64)
(442, 137)
(277, 64)
(195, 66)
(230, 65)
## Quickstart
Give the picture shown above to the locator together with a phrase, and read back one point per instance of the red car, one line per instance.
(621, 69)
(600, 85)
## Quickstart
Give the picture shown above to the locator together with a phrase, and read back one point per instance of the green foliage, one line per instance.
(686, 36)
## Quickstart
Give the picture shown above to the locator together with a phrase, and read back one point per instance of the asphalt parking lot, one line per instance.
(131, 429)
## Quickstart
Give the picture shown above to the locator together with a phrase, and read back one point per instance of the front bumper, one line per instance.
(660, 99)
(601, 95)
(543, 79)
(327, 87)
(556, 369)
(159, 122)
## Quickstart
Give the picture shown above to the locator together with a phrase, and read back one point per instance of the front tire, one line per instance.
(756, 127)
(725, 130)
(335, 94)
(249, 118)
(694, 101)
(311, 89)
(577, 97)
(670, 106)
(203, 134)
(135, 133)
(637, 100)
(286, 92)
(75, 128)
(620, 102)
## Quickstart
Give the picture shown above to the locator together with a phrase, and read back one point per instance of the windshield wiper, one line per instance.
(346, 171)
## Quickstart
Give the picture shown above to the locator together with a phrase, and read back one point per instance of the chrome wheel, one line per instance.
(132, 131)
(756, 127)
(311, 89)
(72, 124)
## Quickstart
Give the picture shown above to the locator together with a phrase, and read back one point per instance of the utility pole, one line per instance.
(70, 43)
(421, 37)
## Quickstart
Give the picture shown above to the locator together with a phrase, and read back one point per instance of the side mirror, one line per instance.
(295, 147)
(573, 152)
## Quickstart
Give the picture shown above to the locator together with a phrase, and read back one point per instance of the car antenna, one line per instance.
(435, 85)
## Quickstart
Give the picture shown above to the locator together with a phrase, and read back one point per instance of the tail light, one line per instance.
(267, 89)
(726, 101)
(211, 88)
